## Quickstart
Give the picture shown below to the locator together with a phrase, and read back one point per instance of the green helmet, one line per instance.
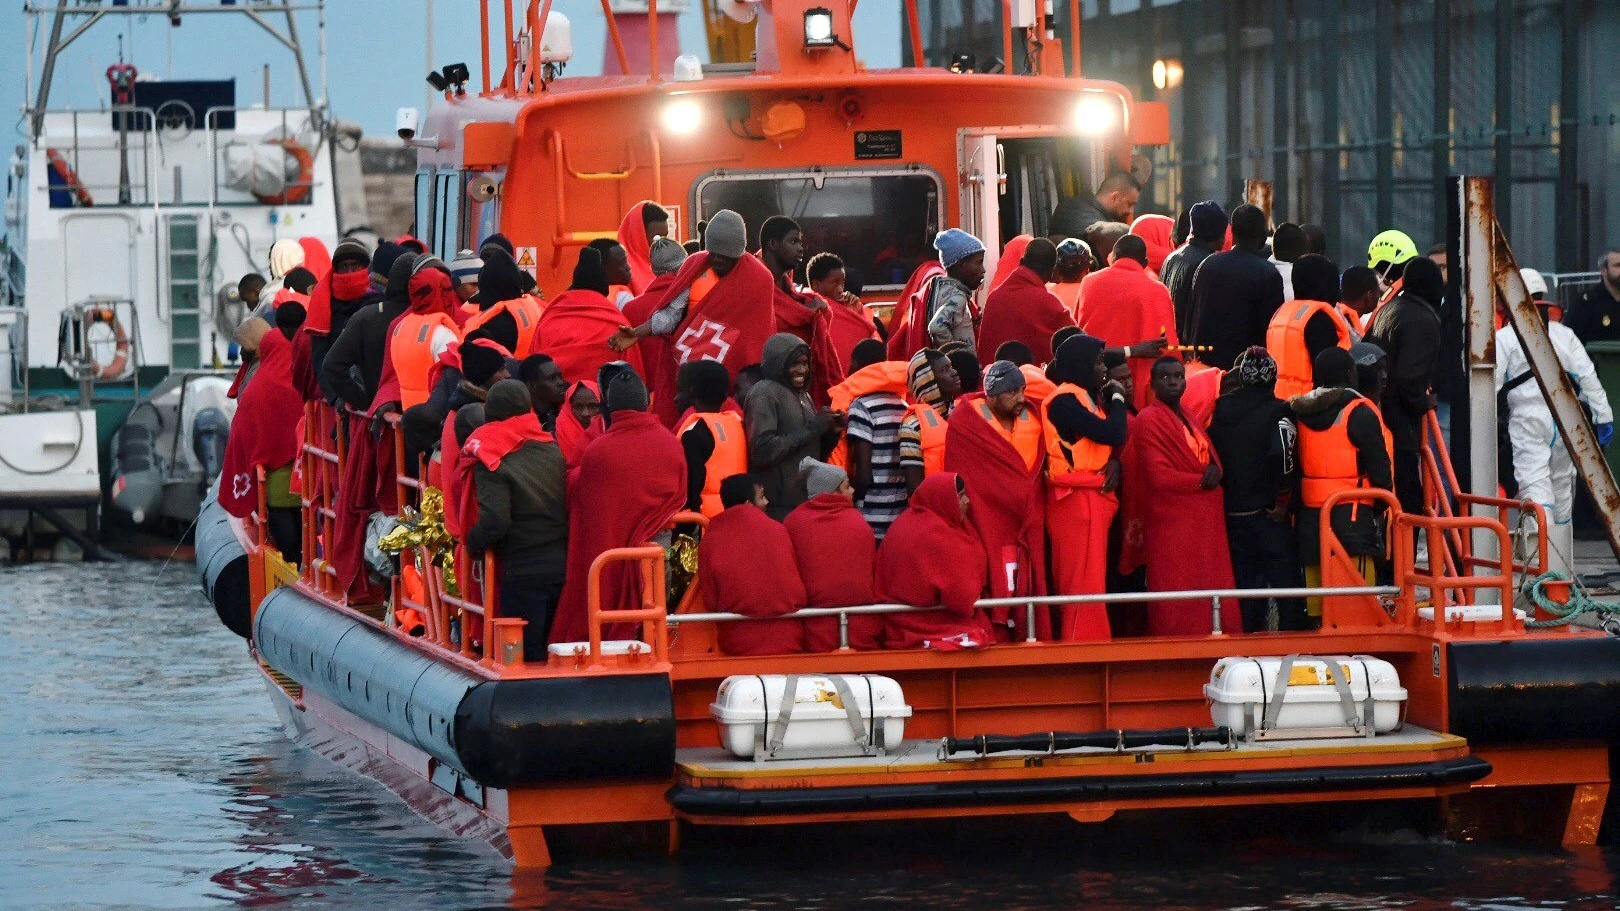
(1390, 248)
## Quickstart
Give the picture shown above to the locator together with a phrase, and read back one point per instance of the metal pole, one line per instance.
(1029, 623)
(1568, 229)
(843, 631)
(1279, 106)
(427, 93)
(1330, 119)
(1234, 99)
(1215, 615)
(1477, 265)
(1505, 71)
(1384, 114)
(1445, 197)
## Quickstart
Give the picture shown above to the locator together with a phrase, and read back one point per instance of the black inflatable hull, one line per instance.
(222, 567)
(1544, 690)
(500, 733)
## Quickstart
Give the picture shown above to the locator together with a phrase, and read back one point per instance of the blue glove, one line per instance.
(1605, 433)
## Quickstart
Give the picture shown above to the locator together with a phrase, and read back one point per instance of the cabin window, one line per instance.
(422, 225)
(881, 222)
(447, 230)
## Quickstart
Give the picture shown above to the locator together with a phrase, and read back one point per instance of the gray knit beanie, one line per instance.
(819, 477)
(666, 256)
(506, 399)
(726, 235)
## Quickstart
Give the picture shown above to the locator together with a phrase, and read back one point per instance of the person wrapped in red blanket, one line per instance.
(838, 327)
(1129, 309)
(644, 223)
(745, 566)
(576, 327)
(631, 481)
(1022, 309)
(836, 553)
(781, 250)
(932, 558)
(264, 434)
(718, 308)
(1184, 517)
(994, 442)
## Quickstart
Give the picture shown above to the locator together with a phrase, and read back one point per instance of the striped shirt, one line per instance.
(875, 419)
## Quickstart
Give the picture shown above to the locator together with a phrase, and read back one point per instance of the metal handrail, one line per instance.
(1213, 594)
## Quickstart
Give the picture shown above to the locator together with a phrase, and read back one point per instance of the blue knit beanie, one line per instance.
(955, 245)
(1208, 220)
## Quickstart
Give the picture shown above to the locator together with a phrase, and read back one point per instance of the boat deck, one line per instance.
(1090, 783)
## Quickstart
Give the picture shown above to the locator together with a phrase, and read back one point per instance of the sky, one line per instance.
(376, 53)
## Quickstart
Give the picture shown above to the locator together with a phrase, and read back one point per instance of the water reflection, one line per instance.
(141, 766)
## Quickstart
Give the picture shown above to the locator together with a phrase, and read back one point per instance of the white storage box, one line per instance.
(1306, 696)
(826, 716)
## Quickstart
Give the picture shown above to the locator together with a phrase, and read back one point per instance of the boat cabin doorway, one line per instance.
(1014, 178)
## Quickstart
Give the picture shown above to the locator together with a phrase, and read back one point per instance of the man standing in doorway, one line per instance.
(1115, 200)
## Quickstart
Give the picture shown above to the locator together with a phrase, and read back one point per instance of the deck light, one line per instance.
(1095, 115)
(682, 116)
(818, 28)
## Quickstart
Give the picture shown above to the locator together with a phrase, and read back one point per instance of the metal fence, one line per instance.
(1358, 111)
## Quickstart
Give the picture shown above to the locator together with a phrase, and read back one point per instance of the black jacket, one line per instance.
(353, 364)
(1408, 329)
(522, 511)
(1177, 275)
(783, 427)
(1359, 529)
(1234, 296)
(1253, 432)
(1595, 317)
(1075, 214)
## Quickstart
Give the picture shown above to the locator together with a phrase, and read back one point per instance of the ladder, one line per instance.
(184, 246)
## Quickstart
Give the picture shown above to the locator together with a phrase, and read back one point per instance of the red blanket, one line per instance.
(637, 248)
(1155, 231)
(455, 473)
(1184, 526)
(575, 330)
(1008, 261)
(317, 259)
(837, 555)
(745, 566)
(631, 480)
(793, 314)
(495, 440)
(1022, 310)
(729, 325)
(837, 329)
(1009, 511)
(264, 432)
(908, 326)
(1123, 305)
(929, 558)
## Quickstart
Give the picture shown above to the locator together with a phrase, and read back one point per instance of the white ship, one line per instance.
(127, 228)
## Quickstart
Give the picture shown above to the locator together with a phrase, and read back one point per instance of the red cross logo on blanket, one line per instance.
(241, 485)
(707, 341)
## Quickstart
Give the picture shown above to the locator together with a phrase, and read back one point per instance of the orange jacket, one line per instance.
(1082, 459)
(1285, 339)
(1327, 458)
(411, 350)
(730, 454)
(931, 427)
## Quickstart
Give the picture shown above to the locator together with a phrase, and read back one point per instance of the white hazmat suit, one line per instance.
(1541, 462)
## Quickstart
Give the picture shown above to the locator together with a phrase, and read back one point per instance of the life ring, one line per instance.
(114, 368)
(74, 185)
(298, 190)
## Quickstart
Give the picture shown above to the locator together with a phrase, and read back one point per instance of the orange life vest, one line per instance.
(1328, 459)
(1352, 318)
(1036, 386)
(1083, 456)
(1025, 435)
(411, 350)
(730, 454)
(525, 312)
(884, 376)
(1285, 339)
(931, 432)
(1068, 293)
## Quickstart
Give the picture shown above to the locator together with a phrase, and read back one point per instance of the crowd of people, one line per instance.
(1148, 404)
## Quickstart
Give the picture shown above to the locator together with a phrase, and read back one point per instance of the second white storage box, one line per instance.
(1241, 690)
(841, 715)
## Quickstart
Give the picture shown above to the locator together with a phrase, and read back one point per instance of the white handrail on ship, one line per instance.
(1214, 595)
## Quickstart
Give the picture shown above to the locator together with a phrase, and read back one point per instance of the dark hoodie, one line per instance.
(1253, 432)
(1408, 329)
(1359, 528)
(783, 427)
(353, 366)
(320, 346)
(499, 280)
(1076, 362)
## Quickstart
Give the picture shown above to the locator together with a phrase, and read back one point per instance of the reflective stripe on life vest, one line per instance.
(730, 454)
(931, 433)
(411, 350)
(1025, 436)
(1285, 339)
(1082, 457)
(525, 312)
(1328, 459)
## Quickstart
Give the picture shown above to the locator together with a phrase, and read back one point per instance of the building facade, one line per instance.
(1358, 110)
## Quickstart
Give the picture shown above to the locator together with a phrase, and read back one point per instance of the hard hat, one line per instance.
(1390, 248)
(1533, 282)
